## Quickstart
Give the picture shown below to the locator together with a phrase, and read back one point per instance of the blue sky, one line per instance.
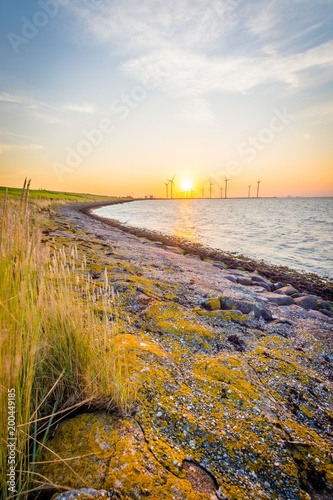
(115, 96)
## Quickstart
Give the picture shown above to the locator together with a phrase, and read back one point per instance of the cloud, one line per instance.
(210, 46)
(154, 24)
(14, 147)
(6, 97)
(85, 108)
(191, 74)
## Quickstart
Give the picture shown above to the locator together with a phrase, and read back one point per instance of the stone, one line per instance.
(279, 300)
(246, 307)
(288, 290)
(211, 304)
(232, 279)
(220, 265)
(324, 304)
(308, 303)
(278, 285)
(326, 313)
(244, 281)
(260, 279)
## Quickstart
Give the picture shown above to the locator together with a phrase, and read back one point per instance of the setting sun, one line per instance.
(187, 185)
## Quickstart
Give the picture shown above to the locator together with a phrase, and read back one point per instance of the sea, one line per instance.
(292, 232)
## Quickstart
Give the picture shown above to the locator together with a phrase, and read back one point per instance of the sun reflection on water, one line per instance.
(185, 223)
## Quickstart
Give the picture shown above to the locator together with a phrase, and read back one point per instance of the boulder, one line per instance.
(308, 303)
(288, 290)
(278, 285)
(246, 307)
(324, 304)
(279, 300)
(244, 281)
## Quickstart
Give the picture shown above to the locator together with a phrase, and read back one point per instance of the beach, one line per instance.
(233, 368)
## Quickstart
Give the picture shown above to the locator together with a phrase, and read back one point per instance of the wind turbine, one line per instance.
(249, 195)
(172, 184)
(226, 186)
(167, 188)
(210, 188)
(221, 188)
(259, 181)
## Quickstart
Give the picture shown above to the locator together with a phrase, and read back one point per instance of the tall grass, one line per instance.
(56, 340)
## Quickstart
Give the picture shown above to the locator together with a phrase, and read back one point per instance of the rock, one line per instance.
(143, 301)
(244, 281)
(192, 256)
(246, 307)
(114, 455)
(232, 279)
(280, 291)
(83, 494)
(262, 282)
(324, 304)
(220, 265)
(279, 300)
(175, 250)
(288, 290)
(326, 313)
(278, 285)
(259, 289)
(211, 304)
(307, 303)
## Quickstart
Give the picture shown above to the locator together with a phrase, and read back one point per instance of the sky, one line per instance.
(116, 97)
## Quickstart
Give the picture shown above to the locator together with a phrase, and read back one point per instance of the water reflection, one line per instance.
(185, 223)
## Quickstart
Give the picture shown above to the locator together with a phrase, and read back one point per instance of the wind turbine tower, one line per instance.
(221, 188)
(249, 195)
(258, 188)
(226, 186)
(172, 184)
(167, 189)
(210, 188)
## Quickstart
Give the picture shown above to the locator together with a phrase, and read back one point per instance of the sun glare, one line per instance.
(187, 185)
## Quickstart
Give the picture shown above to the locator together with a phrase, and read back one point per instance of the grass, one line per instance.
(55, 344)
(43, 194)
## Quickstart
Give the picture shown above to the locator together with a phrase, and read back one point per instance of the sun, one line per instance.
(187, 185)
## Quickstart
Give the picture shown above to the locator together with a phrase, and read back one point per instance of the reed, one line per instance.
(56, 348)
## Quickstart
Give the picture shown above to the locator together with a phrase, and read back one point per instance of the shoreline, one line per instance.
(308, 282)
(229, 375)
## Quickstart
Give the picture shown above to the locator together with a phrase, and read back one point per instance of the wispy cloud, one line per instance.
(49, 113)
(212, 46)
(13, 98)
(80, 108)
(193, 74)
(4, 148)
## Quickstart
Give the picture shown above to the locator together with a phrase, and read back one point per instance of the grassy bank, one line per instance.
(55, 340)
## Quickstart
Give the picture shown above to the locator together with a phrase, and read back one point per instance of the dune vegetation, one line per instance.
(54, 349)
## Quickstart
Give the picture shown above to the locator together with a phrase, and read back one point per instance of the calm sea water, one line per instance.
(294, 232)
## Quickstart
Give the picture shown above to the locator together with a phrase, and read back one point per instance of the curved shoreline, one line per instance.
(308, 282)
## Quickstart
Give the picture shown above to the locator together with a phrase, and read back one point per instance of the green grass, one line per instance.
(55, 195)
(55, 345)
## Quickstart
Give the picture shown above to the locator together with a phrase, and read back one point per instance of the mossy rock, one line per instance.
(112, 454)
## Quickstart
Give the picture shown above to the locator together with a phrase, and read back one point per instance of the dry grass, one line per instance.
(55, 348)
